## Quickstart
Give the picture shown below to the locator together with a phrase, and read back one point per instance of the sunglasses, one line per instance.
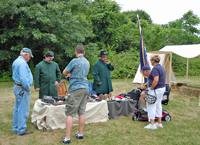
(51, 57)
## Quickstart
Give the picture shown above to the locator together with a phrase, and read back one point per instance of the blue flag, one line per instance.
(143, 54)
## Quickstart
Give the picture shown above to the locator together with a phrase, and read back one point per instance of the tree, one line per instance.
(187, 23)
(111, 28)
(142, 15)
(41, 26)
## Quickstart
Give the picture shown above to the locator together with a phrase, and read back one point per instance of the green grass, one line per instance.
(183, 129)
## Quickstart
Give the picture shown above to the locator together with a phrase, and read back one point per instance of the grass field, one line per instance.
(183, 129)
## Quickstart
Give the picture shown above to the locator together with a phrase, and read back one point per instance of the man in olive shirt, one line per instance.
(47, 76)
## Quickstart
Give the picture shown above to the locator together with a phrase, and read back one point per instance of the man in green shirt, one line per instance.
(101, 72)
(47, 76)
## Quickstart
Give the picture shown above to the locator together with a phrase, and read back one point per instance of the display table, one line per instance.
(53, 117)
(121, 108)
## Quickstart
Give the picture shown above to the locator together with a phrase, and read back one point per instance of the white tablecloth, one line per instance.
(53, 117)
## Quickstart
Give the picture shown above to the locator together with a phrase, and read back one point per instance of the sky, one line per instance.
(162, 12)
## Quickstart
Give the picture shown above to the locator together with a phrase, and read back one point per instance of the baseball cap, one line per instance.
(146, 67)
(27, 50)
(49, 54)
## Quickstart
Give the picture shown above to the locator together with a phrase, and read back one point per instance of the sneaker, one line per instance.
(79, 136)
(159, 125)
(150, 126)
(65, 141)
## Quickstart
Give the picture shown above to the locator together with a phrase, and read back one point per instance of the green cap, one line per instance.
(27, 50)
(49, 54)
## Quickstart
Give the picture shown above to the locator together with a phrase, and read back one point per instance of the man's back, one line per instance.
(79, 69)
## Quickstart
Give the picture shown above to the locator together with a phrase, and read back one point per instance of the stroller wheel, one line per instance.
(167, 118)
(134, 118)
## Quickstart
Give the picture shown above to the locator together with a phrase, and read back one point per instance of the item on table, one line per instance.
(109, 95)
(117, 99)
(119, 96)
(48, 99)
(98, 100)
(101, 96)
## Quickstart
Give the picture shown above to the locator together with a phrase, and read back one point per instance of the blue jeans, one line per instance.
(21, 110)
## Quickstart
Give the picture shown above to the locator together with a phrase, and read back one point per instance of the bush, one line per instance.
(179, 65)
(125, 63)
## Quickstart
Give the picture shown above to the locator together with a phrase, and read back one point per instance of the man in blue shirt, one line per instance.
(77, 71)
(23, 79)
(146, 71)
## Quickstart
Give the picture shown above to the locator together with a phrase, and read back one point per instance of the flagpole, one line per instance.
(140, 38)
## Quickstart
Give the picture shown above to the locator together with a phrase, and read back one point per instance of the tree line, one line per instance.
(61, 25)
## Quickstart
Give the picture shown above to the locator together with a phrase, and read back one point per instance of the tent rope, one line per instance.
(130, 73)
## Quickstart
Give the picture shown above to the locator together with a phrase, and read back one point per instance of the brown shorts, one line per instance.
(76, 102)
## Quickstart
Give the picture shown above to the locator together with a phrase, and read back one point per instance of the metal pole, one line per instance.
(187, 70)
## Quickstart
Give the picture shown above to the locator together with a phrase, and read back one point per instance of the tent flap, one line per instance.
(187, 51)
(165, 64)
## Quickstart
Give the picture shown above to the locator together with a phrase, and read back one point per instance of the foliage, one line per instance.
(125, 63)
(42, 26)
(6, 59)
(110, 27)
(61, 25)
(187, 23)
(179, 65)
(142, 15)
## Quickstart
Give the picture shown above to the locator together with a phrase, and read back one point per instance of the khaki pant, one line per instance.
(76, 102)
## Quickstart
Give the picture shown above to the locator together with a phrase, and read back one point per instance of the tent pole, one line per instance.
(187, 70)
(142, 81)
(170, 73)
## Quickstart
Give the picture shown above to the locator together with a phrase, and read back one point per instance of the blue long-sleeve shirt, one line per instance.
(21, 73)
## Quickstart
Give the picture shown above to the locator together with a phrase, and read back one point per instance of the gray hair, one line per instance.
(22, 52)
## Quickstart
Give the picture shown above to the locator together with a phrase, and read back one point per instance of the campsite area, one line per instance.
(183, 128)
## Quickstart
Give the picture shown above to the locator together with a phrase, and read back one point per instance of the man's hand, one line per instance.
(69, 74)
(56, 83)
(37, 89)
(107, 62)
(100, 83)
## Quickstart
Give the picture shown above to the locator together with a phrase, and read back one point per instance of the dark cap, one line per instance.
(27, 50)
(103, 53)
(146, 67)
(49, 54)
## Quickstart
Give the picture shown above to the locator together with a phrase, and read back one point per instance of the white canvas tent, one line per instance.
(187, 51)
(165, 64)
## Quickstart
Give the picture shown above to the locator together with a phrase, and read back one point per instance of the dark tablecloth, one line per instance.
(121, 108)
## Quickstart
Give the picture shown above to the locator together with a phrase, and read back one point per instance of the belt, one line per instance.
(18, 84)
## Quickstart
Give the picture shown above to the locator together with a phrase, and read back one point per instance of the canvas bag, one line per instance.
(151, 99)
